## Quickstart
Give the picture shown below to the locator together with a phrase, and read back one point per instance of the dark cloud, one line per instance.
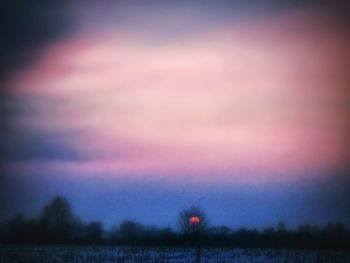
(22, 140)
(28, 146)
(27, 26)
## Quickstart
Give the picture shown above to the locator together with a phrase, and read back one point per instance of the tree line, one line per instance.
(57, 224)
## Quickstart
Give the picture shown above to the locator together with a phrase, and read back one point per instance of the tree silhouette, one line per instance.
(94, 232)
(57, 219)
(129, 232)
(58, 225)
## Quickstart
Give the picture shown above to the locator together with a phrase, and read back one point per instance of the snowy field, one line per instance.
(159, 255)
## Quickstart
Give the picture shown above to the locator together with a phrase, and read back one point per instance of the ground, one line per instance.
(79, 254)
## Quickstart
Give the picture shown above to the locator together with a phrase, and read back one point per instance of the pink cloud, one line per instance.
(267, 95)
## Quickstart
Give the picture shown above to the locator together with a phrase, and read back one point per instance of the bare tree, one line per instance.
(193, 221)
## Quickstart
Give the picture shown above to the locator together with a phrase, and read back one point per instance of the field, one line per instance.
(31, 254)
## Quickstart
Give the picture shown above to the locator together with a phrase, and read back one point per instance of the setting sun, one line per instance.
(194, 220)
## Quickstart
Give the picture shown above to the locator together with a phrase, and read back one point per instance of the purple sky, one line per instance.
(137, 111)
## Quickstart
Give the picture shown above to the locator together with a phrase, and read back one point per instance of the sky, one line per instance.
(139, 109)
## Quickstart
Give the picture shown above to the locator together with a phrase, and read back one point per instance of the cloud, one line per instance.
(237, 95)
(22, 140)
(26, 28)
(25, 146)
